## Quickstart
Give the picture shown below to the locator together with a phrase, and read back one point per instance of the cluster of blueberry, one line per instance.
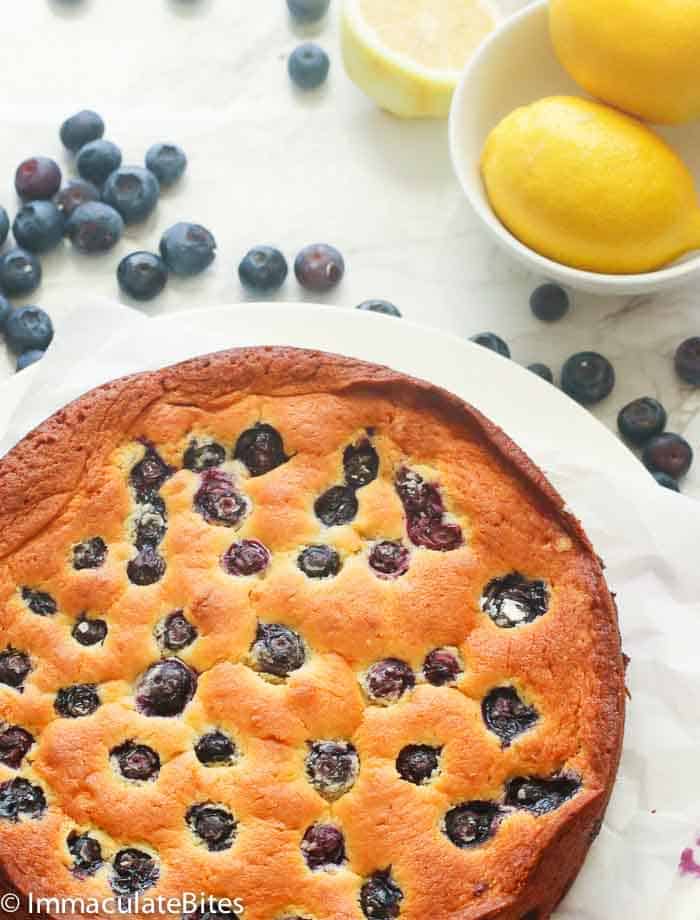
(588, 377)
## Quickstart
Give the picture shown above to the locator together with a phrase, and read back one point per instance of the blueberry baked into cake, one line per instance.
(290, 628)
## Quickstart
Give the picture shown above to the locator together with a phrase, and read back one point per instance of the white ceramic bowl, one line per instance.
(517, 65)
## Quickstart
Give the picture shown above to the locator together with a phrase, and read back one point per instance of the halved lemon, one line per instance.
(408, 55)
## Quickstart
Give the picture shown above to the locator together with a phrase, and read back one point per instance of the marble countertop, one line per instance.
(270, 165)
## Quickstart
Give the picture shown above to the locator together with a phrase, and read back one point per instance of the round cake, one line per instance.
(301, 637)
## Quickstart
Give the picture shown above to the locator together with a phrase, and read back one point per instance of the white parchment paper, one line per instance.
(650, 540)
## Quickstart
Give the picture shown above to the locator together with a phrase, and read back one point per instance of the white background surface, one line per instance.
(268, 164)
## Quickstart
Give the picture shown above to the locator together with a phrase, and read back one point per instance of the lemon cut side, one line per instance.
(408, 55)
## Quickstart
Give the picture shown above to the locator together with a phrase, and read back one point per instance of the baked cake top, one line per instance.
(290, 628)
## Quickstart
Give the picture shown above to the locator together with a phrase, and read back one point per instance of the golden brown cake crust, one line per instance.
(68, 481)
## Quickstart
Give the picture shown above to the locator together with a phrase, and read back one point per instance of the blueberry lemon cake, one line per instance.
(292, 629)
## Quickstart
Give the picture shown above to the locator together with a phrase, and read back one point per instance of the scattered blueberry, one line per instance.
(94, 227)
(142, 275)
(29, 328)
(332, 768)
(360, 463)
(146, 568)
(29, 357)
(687, 361)
(263, 268)
(134, 871)
(86, 853)
(308, 66)
(381, 897)
(98, 159)
(506, 715)
(543, 371)
(425, 513)
(215, 749)
(4, 225)
(89, 632)
(176, 632)
(319, 561)
(38, 177)
(472, 823)
(588, 377)
(642, 420)
(323, 845)
(319, 267)
(20, 272)
(165, 688)
(336, 506)
(540, 795)
(203, 455)
(15, 743)
(260, 449)
(187, 249)
(416, 763)
(14, 668)
(39, 602)
(218, 500)
(167, 162)
(493, 342)
(38, 226)
(74, 193)
(549, 302)
(19, 799)
(389, 559)
(668, 482)
(307, 11)
(388, 680)
(441, 666)
(379, 306)
(136, 761)
(668, 453)
(278, 649)
(215, 826)
(80, 129)
(512, 600)
(89, 555)
(149, 474)
(133, 191)
(248, 557)
(77, 701)
(150, 523)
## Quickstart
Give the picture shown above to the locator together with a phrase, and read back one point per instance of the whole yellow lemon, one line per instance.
(590, 187)
(642, 56)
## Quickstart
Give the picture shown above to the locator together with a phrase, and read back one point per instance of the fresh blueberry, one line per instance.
(203, 455)
(89, 555)
(360, 463)
(319, 561)
(89, 632)
(668, 482)
(687, 361)
(540, 796)
(80, 129)
(146, 568)
(38, 177)
(149, 474)
(133, 191)
(94, 227)
(306, 11)
(513, 599)
(388, 680)
(142, 275)
(176, 632)
(15, 744)
(215, 826)
(74, 193)
(187, 249)
(29, 328)
(381, 897)
(337, 506)
(472, 823)
(97, 159)
(323, 845)
(543, 371)
(263, 268)
(166, 688)
(389, 559)
(86, 853)
(308, 66)
(215, 749)
(642, 420)
(506, 715)
(588, 377)
(332, 768)
(379, 306)
(260, 449)
(14, 668)
(493, 342)
(134, 871)
(549, 302)
(20, 272)
(247, 557)
(39, 602)
(5, 310)
(151, 521)
(668, 453)
(218, 500)
(136, 761)
(167, 162)
(319, 267)
(416, 763)
(4, 225)
(441, 666)
(77, 701)
(19, 799)
(29, 357)
(278, 649)
(38, 226)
